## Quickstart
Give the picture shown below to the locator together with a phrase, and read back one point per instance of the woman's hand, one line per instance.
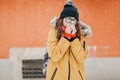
(73, 30)
(68, 30)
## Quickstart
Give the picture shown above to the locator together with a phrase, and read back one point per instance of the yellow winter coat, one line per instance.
(66, 58)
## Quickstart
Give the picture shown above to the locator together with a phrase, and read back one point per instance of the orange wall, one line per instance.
(25, 23)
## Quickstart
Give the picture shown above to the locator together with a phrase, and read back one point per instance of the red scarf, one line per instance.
(67, 34)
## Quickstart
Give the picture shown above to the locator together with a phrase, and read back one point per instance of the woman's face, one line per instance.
(69, 21)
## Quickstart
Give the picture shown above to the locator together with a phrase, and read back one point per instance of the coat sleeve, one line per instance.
(56, 49)
(79, 50)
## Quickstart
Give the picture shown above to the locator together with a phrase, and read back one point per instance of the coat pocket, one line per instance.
(80, 75)
(54, 73)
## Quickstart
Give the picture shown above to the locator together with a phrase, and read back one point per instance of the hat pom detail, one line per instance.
(69, 10)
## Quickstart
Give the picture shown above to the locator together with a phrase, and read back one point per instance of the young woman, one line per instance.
(66, 47)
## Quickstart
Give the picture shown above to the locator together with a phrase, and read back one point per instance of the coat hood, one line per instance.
(86, 29)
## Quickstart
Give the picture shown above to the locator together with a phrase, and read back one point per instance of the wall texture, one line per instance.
(25, 23)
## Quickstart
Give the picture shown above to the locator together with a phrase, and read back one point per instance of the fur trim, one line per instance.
(53, 21)
(86, 29)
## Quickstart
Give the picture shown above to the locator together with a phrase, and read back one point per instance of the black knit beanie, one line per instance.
(69, 10)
